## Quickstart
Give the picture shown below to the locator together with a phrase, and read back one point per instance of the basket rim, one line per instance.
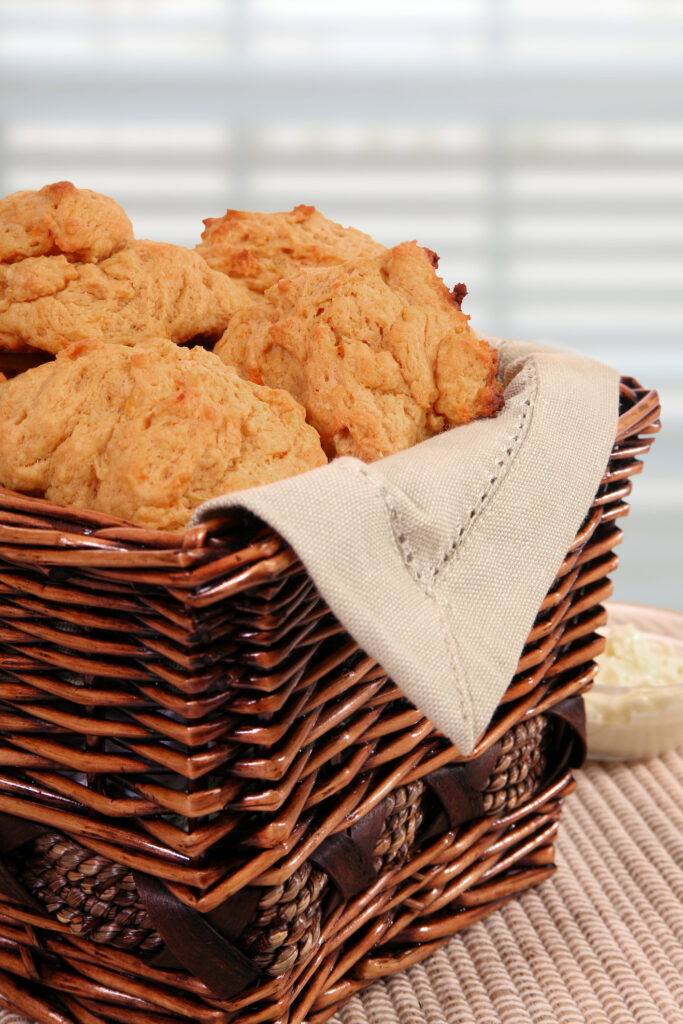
(100, 531)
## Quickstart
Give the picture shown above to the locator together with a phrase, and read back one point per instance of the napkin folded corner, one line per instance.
(437, 559)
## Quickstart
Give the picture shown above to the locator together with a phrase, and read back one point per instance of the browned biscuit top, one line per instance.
(61, 218)
(70, 269)
(377, 350)
(261, 248)
(145, 289)
(146, 432)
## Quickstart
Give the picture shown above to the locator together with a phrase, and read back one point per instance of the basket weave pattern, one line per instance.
(191, 745)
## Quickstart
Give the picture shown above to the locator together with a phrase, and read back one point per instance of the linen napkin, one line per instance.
(436, 559)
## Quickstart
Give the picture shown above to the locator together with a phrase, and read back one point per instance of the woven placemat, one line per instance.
(600, 943)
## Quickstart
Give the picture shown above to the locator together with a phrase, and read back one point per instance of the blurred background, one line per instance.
(538, 148)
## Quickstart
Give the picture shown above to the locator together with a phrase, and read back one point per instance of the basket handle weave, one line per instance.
(193, 940)
(347, 856)
(459, 788)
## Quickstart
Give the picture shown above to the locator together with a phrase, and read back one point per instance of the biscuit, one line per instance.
(377, 350)
(144, 289)
(262, 248)
(146, 432)
(61, 218)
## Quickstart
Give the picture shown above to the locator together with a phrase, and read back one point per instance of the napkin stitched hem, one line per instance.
(511, 450)
(426, 577)
(407, 557)
(436, 559)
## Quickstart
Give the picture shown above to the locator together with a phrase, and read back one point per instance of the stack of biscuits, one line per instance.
(141, 378)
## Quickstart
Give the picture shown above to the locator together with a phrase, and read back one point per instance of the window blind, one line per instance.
(537, 149)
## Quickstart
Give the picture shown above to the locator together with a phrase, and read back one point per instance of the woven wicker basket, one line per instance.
(214, 806)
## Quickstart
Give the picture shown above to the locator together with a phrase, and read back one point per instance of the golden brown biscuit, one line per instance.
(145, 289)
(377, 351)
(61, 218)
(146, 432)
(262, 248)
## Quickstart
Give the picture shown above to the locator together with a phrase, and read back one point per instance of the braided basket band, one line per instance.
(94, 896)
(98, 898)
(520, 766)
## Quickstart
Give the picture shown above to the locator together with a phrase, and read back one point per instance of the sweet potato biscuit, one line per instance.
(144, 289)
(146, 432)
(377, 351)
(262, 248)
(61, 218)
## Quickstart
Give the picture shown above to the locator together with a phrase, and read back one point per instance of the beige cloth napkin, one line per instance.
(437, 559)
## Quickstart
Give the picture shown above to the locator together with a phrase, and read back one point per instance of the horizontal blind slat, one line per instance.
(538, 149)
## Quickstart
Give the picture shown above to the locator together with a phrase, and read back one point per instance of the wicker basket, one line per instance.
(214, 806)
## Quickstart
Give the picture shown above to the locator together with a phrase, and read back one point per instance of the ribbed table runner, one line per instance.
(600, 943)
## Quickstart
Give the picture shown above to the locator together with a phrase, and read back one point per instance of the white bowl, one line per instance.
(635, 721)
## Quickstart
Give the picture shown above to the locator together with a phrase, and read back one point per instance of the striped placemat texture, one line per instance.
(600, 943)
